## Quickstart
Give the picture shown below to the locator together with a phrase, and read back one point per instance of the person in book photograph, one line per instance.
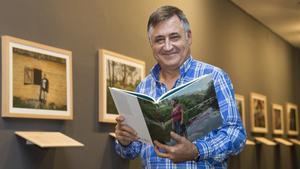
(177, 117)
(170, 39)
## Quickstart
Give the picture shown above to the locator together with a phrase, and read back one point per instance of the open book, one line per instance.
(190, 110)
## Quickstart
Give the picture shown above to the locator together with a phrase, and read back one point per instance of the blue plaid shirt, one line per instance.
(214, 148)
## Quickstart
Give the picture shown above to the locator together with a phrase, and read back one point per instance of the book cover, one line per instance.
(190, 110)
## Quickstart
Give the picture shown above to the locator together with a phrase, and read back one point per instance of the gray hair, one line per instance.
(164, 13)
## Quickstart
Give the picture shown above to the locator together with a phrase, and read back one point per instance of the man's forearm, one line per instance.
(222, 144)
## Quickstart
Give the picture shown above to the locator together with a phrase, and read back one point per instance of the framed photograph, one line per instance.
(116, 70)
(259, 115)
(240, 103)
(36, 80)
(292, 119)
(277, 119)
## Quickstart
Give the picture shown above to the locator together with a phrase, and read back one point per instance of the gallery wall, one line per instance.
(256, 59)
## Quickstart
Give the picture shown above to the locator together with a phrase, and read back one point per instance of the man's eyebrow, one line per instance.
(158, 36)
(174, 33)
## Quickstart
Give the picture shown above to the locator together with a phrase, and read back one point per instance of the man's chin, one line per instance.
(169, 59)
(170, 66)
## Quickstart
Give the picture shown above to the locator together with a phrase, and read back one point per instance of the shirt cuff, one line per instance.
(203, 149)
(117, 142)
(130, 151)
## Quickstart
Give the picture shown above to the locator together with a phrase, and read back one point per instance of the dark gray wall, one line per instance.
(256, 59)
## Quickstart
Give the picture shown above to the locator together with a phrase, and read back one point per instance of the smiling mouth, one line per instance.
(169, 54)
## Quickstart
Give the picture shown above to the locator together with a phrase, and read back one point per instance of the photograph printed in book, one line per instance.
(192, 113)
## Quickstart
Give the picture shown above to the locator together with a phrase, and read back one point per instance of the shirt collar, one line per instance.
(182, 69)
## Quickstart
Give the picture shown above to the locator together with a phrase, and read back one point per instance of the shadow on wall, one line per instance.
(30, 155)
(112, 160)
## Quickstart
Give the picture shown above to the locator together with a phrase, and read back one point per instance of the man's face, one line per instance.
(172, 102)
(170, 43)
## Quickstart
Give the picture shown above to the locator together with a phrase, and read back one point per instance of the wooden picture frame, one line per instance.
(240, 103)
(259, 115)
(292, 119)
(36, 80)
(277, 119)
(116, 70)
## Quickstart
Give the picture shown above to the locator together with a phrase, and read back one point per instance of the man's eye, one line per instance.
(175, 38)
(159, 40)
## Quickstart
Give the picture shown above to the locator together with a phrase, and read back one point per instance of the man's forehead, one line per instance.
(167, 27)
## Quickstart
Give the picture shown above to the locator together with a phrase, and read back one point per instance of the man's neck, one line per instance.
(169, 77)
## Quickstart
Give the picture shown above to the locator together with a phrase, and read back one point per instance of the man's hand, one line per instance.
(184, 150)
(124, 134)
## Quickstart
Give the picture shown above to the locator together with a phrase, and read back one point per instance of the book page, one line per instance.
(128, 106)
(192, 112)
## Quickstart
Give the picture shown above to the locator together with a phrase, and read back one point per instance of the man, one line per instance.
(44, 88)
(170, 39)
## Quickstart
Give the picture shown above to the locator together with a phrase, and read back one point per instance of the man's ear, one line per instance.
(189, 37)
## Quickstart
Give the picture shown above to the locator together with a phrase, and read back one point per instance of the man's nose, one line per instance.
(167, 45)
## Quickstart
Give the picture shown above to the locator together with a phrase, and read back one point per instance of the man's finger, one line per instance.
(161, 146)
(126, 134)
(127, 131)
(176, 137)
(122, 138)
(120, 119)
(125, 127)
(160, 154)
